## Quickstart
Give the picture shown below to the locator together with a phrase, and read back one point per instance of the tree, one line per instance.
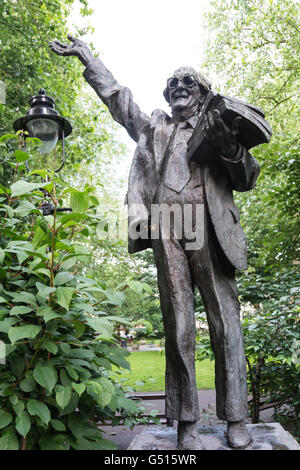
(27, 64)
(253, 48)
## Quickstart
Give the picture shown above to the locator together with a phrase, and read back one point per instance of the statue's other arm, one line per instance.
(242, 167)
(117, 98)
(243, 171)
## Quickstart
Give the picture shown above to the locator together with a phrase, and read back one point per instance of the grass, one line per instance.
(148, 367)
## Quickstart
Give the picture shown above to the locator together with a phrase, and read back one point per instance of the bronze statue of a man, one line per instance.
(162, 174)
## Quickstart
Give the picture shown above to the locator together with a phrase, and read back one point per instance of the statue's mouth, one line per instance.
(180, 95)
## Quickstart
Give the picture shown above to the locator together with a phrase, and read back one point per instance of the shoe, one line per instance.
(188, 436)
(238, 436)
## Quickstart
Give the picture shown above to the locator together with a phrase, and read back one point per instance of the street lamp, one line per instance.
(43, 122)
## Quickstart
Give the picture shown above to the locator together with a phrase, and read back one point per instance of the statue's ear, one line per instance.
(204, 92)
(166, 95)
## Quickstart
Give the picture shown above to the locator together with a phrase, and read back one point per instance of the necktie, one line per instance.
(178, 172)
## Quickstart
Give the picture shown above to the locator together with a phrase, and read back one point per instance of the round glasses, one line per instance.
(187, 80)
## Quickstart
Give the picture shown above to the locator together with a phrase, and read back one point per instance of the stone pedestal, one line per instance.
(270, 436)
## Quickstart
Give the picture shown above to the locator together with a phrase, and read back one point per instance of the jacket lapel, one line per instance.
(161, 139)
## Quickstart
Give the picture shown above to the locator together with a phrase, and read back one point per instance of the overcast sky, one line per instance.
(143, 41)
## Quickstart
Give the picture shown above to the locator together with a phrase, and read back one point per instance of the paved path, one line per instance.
(123, 436)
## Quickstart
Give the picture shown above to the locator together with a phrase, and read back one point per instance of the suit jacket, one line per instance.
(152, 135)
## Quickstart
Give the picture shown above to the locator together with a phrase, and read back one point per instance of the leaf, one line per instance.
(71, 406)
(23, 187)
(116, 298)
(79, 328)
(64, 378)
(83, 252)
(4, 189)
(43, 271)
(101, 325)
(5, 418)
(94, 200)
(45, 375)
(40, 409)
(20, 310)
(81, 353)
(77, 425)
(21, 156)
(9, 441)
(17, 364)
(96, 388)
(23, 423)
(63, 278)
(101, 444)
(72, 372)
(49, 187)
(72, 217)
(79, 388)
(69, 263)
(24, 208)
(127, 404)
(19, 407)
(6, 137)
(57, 425)
(108, 390)
(120, 362)
(63, 395)
(50, 346)
(79, 201)
(13, 399)
(44, 290)
(122, 320)
(6, 324)
(27, 385)
(21, 332)
(67, 259)
(57, 442)
(138, 287)
(43, 173)
(39, 236)
(64, 296)
(24, 297)
(47, 313)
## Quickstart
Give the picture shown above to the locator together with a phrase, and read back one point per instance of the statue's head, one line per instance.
(186, 89)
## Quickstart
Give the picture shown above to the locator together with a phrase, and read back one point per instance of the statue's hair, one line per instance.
(203, 83)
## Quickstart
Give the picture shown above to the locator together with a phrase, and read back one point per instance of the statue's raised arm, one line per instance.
(117, 98)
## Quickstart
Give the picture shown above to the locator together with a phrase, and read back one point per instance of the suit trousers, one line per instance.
(179, 270)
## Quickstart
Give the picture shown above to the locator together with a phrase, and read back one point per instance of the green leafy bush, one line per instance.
(55, 383)
(272, 341)
(271, 330)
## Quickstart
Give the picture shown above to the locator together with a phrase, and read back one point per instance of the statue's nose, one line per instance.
(179, 86)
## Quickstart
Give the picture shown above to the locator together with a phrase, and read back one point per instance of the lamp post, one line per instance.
(43, 122)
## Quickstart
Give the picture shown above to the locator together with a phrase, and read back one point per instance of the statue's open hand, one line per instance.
(222, 136)
(77, 48)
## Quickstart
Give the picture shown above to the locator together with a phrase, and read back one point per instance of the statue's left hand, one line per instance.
(222, 136)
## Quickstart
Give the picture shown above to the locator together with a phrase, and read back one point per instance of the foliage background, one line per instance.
(252, 52)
